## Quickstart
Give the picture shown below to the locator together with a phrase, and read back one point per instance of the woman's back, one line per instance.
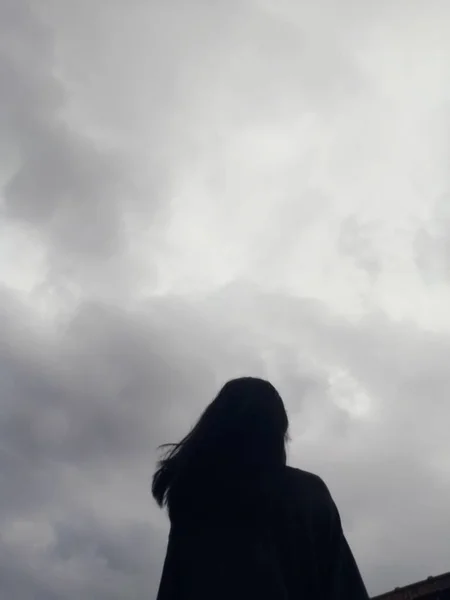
(288, 544)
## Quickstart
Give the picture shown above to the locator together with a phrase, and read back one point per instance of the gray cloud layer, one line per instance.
(108, 114)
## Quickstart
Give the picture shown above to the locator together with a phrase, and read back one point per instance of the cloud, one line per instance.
(60, 180)
(355, 243)
(81, 423)
(192, 193)
(432, 244)
(397, 446)
(83, 411)
(100, 558)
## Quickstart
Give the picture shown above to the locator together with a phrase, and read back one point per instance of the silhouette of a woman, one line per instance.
(243, 524)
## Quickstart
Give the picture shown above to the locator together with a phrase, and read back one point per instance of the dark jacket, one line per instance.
(284, 543)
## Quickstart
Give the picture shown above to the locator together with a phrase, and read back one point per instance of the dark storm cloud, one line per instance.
(92, 401)
(56, 179)
(94, 398)
(95, 558)
(124, 382)
(82, 409)
(96, 394)
(389, 472)
(85, 535)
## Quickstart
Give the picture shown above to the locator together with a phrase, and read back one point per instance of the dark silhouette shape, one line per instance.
(243, 524)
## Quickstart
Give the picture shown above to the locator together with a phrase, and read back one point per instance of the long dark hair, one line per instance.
(242, 432)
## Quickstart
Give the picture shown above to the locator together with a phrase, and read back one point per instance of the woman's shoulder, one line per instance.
(301, 479)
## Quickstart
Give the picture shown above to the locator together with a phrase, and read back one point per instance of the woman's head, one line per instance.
(243, 429)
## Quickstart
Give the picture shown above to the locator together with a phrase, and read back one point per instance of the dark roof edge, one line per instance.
(399, 590)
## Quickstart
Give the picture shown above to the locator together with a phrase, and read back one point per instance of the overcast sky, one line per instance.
(192, 190)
